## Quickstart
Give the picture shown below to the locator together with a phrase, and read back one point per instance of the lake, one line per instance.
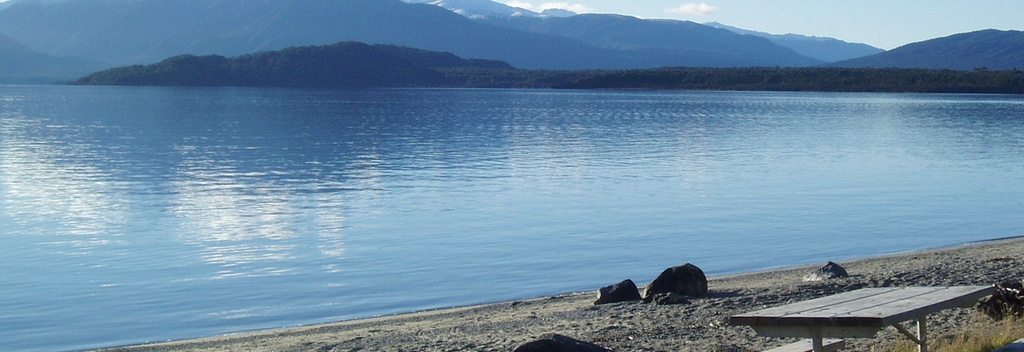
(146, 214)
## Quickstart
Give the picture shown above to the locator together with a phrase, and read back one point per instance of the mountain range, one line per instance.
(821, 48)
(479, 8)
(119, 32)
(107, 33)
(142, 31)
(989, 49)
(701, 45)
(649, 31)
(19, 64)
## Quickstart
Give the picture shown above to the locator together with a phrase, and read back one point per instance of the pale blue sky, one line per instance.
(885, 24)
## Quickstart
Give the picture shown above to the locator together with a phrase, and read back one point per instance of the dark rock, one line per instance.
(559, 343)
(827, 272)
(669, 298)
(1006, 302)
(686, 280)
(620, 292)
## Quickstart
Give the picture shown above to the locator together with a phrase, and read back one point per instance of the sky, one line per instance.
(884, 24)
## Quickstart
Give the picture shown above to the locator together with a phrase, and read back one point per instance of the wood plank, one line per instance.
(766, 315)
(916, 307)
(809, 313)
(872, 310)
(820, 302)
(871, 307)
(916, 303)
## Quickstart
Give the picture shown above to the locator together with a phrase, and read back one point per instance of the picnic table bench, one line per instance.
(861, 313)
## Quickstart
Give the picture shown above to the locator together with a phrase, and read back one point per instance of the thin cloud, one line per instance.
(578, 8)
(520, 4)
(701, 9)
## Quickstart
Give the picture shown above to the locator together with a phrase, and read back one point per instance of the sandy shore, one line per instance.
(699, 326)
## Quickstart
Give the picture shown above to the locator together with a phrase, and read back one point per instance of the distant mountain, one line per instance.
(341, 65)
(19, 64)
(140, 31)
(991, 49)
(478, 8)
(701, 45)
(821, 48)
(144, 31)
(698, 46)
(557, 13)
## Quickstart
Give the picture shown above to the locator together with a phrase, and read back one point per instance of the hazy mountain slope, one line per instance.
(118, 31)
(19, 64)
(477, 8)
(140, 31)
(143, 31)
(700, 44)
(992, 49)
(821, 48)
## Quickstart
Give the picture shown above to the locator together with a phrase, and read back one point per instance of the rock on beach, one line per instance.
(686, 280)
(621, 292)
(827, 272)
(559, 343)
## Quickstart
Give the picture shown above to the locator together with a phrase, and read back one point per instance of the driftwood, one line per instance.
(1006, 302)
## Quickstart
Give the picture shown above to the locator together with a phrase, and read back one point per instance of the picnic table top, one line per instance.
(868, 307)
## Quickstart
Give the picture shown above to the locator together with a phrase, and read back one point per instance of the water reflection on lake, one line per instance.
(144, 214)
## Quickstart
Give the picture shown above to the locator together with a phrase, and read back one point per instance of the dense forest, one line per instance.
(341, 65)
(818, 79)
(358, 65)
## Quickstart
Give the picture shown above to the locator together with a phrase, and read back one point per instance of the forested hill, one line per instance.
(819, 79)
(341, 65)
(358, 65)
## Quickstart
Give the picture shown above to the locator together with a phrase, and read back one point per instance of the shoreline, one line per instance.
(634, 326)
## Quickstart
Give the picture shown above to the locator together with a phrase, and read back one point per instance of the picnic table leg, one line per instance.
(921, 338)
(922, 334)
(816, 342)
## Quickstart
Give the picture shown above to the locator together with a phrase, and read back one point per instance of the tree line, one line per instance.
(817, 79)
(358, 65)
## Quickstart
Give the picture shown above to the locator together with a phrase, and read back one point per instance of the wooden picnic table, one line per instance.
(861, 313)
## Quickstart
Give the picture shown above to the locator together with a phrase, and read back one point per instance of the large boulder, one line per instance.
(827, 272)
(559, 343)
(1006, 302)
(620, 292)
(686, 280)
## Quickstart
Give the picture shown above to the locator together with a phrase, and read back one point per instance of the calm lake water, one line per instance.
(130, 215)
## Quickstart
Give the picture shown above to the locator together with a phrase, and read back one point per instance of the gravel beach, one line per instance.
(634, 326)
